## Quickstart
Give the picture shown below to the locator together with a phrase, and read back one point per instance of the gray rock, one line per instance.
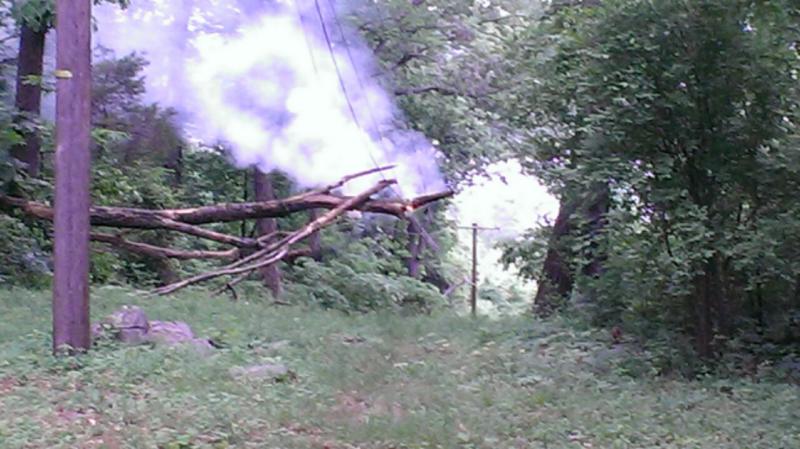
(173, 333)
(128, 325)
(128, 317)
(170, 332)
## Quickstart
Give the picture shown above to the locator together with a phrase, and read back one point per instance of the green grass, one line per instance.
(363, 381)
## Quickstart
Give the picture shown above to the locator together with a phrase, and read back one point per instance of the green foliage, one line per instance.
(36, 14)
(526, 253)
(40, 14)
(446, 63)
(353, 284)
(687, 112)
(24, 262)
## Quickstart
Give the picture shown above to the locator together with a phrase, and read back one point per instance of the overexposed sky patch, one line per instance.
(510, 200)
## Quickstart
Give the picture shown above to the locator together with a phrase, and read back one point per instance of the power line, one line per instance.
(307, 40)
(431, 242)
(420, 228)
(342, 84)
(361, 84)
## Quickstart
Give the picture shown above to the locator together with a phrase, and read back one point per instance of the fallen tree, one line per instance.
(246, 254)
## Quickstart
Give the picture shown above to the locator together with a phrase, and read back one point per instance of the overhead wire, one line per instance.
(309, 47)
(343, 86)
(340, 76)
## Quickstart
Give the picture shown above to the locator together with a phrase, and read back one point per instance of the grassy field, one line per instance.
(366, 381)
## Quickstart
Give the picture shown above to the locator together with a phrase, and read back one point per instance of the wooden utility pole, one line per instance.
(71, 328)
(473, 294)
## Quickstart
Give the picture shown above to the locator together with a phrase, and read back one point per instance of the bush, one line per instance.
(22, 260)
(340, 286)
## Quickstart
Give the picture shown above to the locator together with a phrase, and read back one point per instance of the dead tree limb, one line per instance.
(248, 253)
(280, 249)
(133, 218)
(158, 252)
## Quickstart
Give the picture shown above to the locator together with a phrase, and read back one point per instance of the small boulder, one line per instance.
(172, 333)
(169, 332)
(128, 325)
(271, 348)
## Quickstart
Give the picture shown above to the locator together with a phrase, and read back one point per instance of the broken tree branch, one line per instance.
(277, 251)
(159, 252)
(133, 218)
(248, 253)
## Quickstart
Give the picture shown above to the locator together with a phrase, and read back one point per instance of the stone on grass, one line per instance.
(172, 333)
(130, 325)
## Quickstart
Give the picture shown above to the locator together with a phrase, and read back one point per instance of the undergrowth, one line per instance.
(372, 381)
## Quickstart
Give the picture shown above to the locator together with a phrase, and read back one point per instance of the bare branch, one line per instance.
(159, 252)
(279, 250)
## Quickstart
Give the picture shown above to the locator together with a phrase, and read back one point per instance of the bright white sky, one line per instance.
(518, 204)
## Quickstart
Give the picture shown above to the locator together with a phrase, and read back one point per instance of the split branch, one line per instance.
(134, 218)
(262, 251)
(276, 252)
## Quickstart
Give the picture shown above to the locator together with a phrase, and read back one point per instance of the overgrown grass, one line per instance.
(363, 381)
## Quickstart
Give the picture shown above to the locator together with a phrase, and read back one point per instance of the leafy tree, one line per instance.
(34, 18)
(686, 113)
(444, 60)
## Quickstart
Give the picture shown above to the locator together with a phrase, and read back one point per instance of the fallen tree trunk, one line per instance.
(248, 253)
(133, 218)
(280, 249)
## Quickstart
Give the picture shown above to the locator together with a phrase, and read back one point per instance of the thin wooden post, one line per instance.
(71, 327)
(473, 296)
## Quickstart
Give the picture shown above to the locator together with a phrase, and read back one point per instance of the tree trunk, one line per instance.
(28, 101)
(71, 328)
(414, 247)
(702, 302)
(264, 191)
(595, 218)
(315, 239)
(723, 301)
(556, 280)
(134, 218)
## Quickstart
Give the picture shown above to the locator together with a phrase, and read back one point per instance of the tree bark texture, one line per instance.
(557, 279)
(71, 327)
(264, 191)
(133, 218)
(414, 248)
(30, 61)
(594, 215)
(315, 239)
(702, 302)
